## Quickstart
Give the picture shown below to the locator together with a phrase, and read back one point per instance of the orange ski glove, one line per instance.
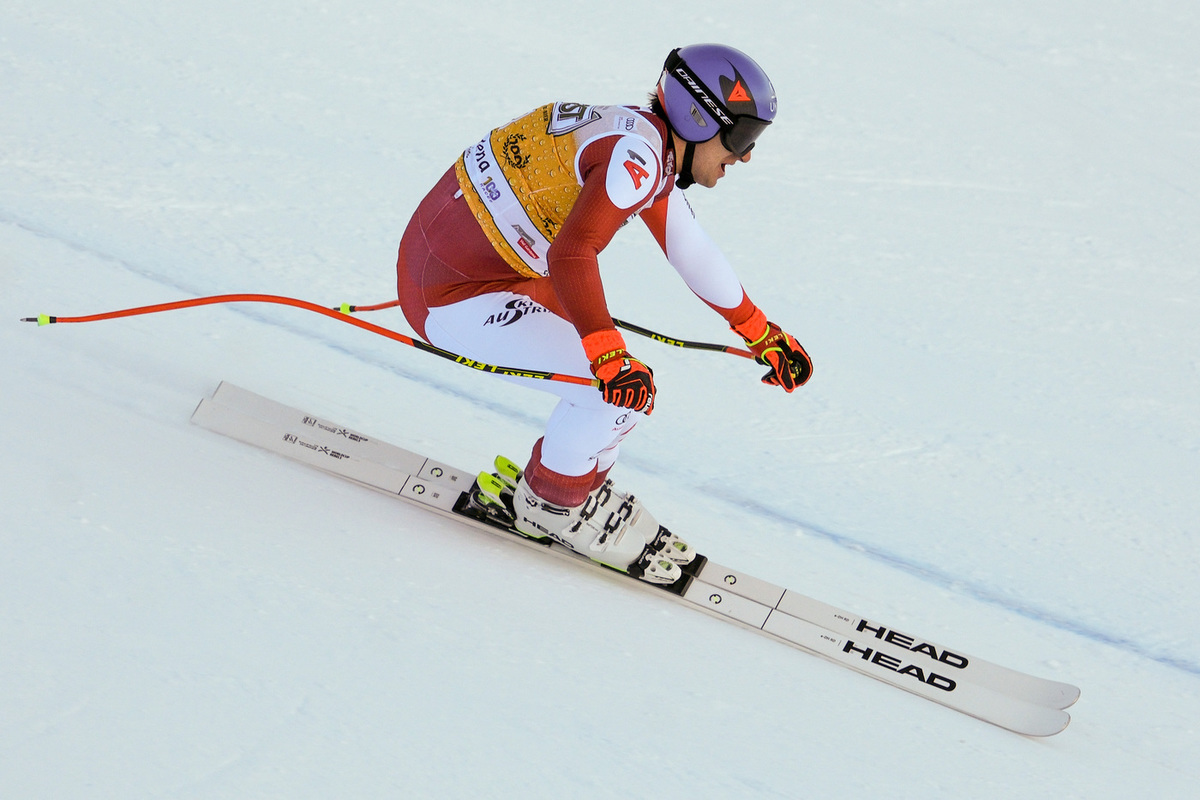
(772, 347)
(624, 380)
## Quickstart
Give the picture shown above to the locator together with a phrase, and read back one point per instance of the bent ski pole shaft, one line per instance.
(619, 323)
(338, 314)
(629, 326)
(658, 337)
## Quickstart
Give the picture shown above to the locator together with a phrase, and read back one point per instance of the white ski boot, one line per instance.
(658, 537)
(610, 499)
(603, 535)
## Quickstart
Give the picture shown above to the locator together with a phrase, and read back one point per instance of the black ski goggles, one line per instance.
(739, 138)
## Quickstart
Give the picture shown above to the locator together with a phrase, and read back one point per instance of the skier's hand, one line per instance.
(624, 380)
(775, 348)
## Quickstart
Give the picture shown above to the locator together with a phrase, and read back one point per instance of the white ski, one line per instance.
(985, 673)
(1008, 698)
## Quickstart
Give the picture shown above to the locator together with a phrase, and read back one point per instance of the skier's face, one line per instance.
(710, 161)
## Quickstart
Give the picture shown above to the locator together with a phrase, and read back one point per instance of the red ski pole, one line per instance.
(340, 314)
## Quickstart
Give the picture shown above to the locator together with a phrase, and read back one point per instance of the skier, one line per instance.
(499, 263)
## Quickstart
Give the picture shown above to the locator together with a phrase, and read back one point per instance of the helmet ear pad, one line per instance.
(683, 161)
(684, 114)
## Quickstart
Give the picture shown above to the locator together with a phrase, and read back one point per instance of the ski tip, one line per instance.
(1070, 696)
(1054, 728)
(1028, 719)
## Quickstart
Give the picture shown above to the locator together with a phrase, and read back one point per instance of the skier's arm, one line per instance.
(696, 257)
(573, 258)
(610, 193)
(709, 274)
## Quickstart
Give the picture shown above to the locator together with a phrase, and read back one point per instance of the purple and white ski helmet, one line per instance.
(711, 89)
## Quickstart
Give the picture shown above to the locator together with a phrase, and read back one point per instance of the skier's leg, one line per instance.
(513, 330)
(555, 496)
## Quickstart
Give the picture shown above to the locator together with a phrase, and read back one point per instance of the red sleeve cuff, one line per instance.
(754, 328)
(602, 343)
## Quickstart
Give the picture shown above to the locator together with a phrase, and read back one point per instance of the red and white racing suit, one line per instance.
(499, 263)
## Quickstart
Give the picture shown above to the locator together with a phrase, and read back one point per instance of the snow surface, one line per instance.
(980, 218)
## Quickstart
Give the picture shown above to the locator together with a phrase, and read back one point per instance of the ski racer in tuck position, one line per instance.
(500, 263)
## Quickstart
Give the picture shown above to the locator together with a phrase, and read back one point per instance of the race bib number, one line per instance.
(566, 117)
